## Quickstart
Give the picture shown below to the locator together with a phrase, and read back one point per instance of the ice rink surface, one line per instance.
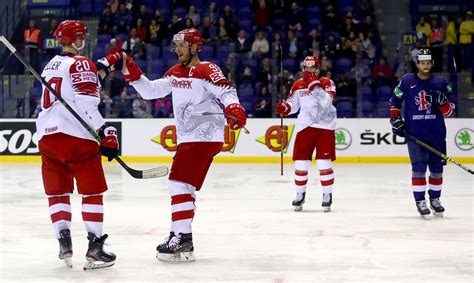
(245, 229)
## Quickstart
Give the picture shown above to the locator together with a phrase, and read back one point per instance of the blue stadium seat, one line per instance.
(365, 93)
(223, 52)
(141, 63)
(245, 91)
(84, 8)
(345, 109)
(367, 109)
(171, 61)
(290, 65)
(35, 92)
(98, 53)
(103, 38)
(252, 63)
(383, 109)
(384, 93)
(157, 66)
(180, 11)
(343, 65)
(154, 52)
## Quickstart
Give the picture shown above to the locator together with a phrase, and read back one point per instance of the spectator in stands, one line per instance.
(366, 46)
(346, 88)
(330, 18)
(122, 105)
(293, 48)
(114, 5)
(157, 32)
(115, 86)
(312, 43)
(369, 28)
(277, 46)
(229, 17)
(33, 43)
(424, 28)
(364, 8)
(106, 21)
(360, 72)
(295, 18)
(54, 26)
(159, 18)
(265, 75)
(260, 46)
(349, 46)
(242, 46)
(175, 26)
(162, 108)
(466, 31)
(208, 30)
(194, 15)
(129, 45)
(115, 46)
(414, 51)
(405, 66)
(262, 14)
(224, 32)
(437, 39)
(212, 12)
(332, 47)
(229, 70)
(263, 107)
(141, 108)
(326, 65)
(348, 27)
(123, 19)
(144, 15)
(142, 31)
(382, 73)
(247, 78)
(188, 23)
(451, 41)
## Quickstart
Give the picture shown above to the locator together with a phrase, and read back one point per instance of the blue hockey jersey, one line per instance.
(423, 118)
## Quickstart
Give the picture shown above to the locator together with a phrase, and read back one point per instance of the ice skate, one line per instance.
(437, 207)
(65, 247)
(177, 248)
(96, 256)
(423, 209)
(299, 201)
(327, 201)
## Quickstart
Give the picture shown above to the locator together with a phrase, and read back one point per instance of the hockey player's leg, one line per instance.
(60, 212)
(435, 181)
(178, 246)
(301, 179)
(327, 181)
(419, 164)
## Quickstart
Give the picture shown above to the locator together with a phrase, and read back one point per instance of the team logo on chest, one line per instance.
(423, 101)
(182, 84)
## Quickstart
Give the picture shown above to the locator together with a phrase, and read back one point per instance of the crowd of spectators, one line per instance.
(260, 45)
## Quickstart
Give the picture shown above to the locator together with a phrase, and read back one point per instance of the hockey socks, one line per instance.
(93, 213)
(60, 212)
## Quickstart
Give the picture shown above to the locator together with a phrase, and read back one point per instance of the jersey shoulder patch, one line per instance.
(211, 72)
(298, 84)
(83, 70)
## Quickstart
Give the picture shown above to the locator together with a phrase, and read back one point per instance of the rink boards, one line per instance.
(154, 140)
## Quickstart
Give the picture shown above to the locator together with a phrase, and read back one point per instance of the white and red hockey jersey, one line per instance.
(75, 79)
(316, 109)
(195, 90)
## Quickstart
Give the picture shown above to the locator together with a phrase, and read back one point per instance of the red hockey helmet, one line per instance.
(69, 31)
(311, 61)
(191, 36)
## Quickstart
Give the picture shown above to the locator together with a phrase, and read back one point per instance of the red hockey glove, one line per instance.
(314, 84)
(283, 108)
(444, 105)
(236, 117)
(110, 63)
(109, 144)
(131, 72)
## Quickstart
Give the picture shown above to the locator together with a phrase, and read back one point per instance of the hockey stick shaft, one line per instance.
(440, 154)
(281, 117)
(228, 116)
(139, 174)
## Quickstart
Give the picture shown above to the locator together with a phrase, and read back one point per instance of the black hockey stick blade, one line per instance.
(139, 174)
(440, 154)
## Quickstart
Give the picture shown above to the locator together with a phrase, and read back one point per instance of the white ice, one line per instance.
(245, 228)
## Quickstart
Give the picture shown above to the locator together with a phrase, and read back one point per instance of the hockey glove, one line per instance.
(398, 126)
(283, 108)
(235, 115)
(110, 63)
(109, 144)
(444, 105)
(131, 72)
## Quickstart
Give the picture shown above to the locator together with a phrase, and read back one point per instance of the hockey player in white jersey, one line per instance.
(196, 87)
(68, 151)
(313, 96)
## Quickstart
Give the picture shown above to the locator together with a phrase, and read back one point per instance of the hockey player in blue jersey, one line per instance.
(428, 99)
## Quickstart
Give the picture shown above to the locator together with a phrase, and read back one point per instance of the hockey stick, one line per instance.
(139, 174)
(440, 154)
(226, 115)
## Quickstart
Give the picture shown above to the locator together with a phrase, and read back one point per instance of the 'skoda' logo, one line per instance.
(463, 139)
(343, 139)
